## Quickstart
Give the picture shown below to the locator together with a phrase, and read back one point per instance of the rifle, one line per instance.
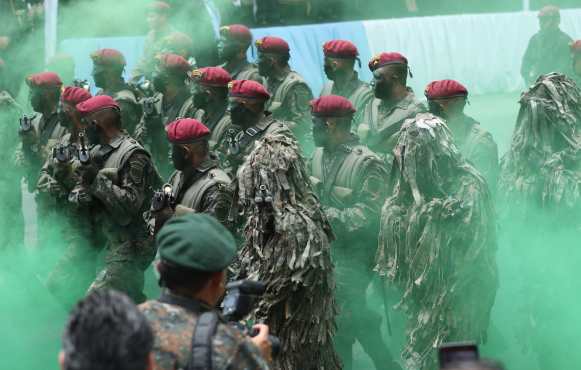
(25, 124)
(163, 198)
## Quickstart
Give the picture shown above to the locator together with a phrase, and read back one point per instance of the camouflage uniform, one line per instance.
(287, 247)
(220, 124)
(130, 108)
(381, 123)
(243, 71)
(358, 92)
(350, 183)
(547, 51)
(437, 241)
(173, 319)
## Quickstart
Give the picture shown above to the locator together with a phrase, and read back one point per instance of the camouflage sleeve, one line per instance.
(123, 196)
(217, 202)
(361, 105)
(130, 115)
(298, 100)
(485, 159)
(232, 350)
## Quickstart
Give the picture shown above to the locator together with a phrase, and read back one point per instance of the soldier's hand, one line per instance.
(262, 341)
(80, 197)
(89, 173)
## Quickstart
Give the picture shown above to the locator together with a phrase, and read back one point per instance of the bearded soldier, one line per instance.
(447, 99)
(350, 182)
(394, 103)
(437, 241)
(232, 47)
(286, 235)
(340, 57)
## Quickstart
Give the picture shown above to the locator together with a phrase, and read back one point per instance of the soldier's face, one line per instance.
(100, 78)
(200, 95)
(320, 132)
(265, 65)
(37, 99)
(159, 81)
(240, 113)
(330, 68)
(180, 156)
(382, 83)
(227, 50)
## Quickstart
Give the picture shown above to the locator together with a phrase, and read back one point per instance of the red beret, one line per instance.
(248, 89)
(237, 32)
(340, 49)
(384, 59)
(272, 45)
(44, 79)
(96, 103)
(212, 76)
(159, 7)
(332, 106)
(576, 47)
(108, 57)
(549, 11)
(186, 131)
(173, 63)
(75, 95)
(444, 89)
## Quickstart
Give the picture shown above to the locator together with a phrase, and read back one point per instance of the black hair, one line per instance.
(106, 331)
(173, 277)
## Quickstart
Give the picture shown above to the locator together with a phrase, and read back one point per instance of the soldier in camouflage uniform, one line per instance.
(210, 95)
(576, 59)
(394, 103)
(437, 241)
(350, 182)
(340, 57)
(198, 184)
(108, 66)
(171, 101)
(232, 47)
(447, 99)
(290, 93)
(286, 235)
(118, 180)
(195, 251)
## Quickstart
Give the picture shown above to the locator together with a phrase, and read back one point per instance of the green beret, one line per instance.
(196, 241)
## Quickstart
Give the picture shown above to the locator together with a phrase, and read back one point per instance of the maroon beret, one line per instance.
(186, 131)
(108, 57)
(173, 63)
(75, 95)
(384, 59)
(97, 103)
(549, 11)
(272, 45)
(248, 89)
(444, 89)
(576, 47)
(340, 49)
(332, 106)
(212, 76)
(237, 32)
(159, 7)
(44, 79)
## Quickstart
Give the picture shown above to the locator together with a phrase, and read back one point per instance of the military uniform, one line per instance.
(358, 92)
(220, 125)
(238, 37)
(130, 108)
(243, 71)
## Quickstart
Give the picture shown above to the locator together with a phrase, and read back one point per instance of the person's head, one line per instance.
(340, 57)
(189, 140)
(63, 65)
(446, 98)
(332, 117)
(475, 365)
(210, 86)
(390, 71)
(549, 18)
(246, 102)
(234, 42)
(106, 331)
(108, 66)
(273, 55)
(69, 117)
(171, 72)
(177, 43)
(576, 57)
(44, 93)
(195, 251)
(102, 118)
(158, 15)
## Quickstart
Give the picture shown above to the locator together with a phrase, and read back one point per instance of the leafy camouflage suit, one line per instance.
(287, 247)
(437, 241)
(173, 319)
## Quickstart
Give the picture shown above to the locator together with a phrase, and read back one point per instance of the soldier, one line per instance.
(447, 99)
(193, 274)
(171, 101)
(177, 43)
(210, 95)
(437, 241)
(232, 48)
(548, 49)
(198, 184)
(350, 182)
(576, 57)
(394, 103)
(290, 92)
(108, 66)
(340, 57)
(119, 180)
(286, 235)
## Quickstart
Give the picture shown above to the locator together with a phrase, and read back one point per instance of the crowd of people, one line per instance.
(237, 172)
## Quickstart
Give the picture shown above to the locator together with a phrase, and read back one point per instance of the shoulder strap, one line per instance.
(358, 95)
(194, 194)
(125, 95)
(201, 356)
(317, 164)
(327, 88)
(186, 108)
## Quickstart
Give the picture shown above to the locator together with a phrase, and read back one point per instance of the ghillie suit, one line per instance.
(437, 241)
(542, 169)
(287, 247)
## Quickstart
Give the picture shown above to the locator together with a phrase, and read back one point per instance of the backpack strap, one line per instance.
(204, 331)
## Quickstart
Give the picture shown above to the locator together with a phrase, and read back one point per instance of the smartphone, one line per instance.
(450, 353)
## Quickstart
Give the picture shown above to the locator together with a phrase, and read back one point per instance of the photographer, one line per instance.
(195, 251)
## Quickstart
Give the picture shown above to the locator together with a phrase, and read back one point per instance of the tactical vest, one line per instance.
(50, 136)
(246, 73)
(192, 197)
(355, 97)
(125, 95)
(277, 100)
(219, 131)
